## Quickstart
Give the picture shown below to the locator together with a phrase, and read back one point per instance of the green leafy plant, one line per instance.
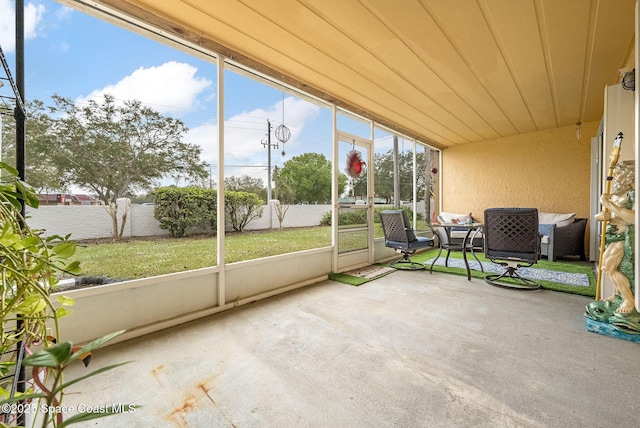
(29, 264)
(48, 365)
(241, 208)
(179, 209)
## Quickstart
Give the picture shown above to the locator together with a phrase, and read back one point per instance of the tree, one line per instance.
(310, 176)
(246, 183)
(42, 175)
(359, 185)
(383, 163)
(116, 149)
(284, 189)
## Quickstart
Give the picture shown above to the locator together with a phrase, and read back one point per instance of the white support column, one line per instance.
(371, 201)
(334, 186)
(220, 193)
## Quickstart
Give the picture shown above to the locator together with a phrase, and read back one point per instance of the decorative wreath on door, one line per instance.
(355, 164)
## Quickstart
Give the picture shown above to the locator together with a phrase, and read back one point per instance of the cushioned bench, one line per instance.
(562, 235)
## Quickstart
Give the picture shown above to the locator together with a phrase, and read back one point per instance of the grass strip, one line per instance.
(145, 257)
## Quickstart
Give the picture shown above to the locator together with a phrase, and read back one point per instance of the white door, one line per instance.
(354, 243)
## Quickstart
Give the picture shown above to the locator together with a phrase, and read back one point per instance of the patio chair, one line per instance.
(401, 237)
(512, 240)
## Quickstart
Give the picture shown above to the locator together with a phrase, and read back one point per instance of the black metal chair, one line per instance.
(512, 240)
(399, 235)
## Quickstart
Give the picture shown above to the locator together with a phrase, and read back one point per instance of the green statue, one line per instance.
(619, 310)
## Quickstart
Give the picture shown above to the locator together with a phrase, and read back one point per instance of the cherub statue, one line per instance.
(617, 259)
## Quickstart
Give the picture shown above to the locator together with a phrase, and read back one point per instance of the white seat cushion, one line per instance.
(448, 217)
(560, 220)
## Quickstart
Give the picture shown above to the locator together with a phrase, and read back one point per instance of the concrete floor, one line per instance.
(411, 349)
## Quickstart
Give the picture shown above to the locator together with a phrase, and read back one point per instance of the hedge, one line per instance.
(183, 209)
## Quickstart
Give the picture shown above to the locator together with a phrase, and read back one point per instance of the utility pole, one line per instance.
(268, 146)
(282, 135)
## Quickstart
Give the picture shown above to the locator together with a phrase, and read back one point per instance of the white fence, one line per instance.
(93, 222)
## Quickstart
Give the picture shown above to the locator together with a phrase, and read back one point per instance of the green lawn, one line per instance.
(145, 257)
(140, 258)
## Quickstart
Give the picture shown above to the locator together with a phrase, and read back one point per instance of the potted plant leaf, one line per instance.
(29, 264)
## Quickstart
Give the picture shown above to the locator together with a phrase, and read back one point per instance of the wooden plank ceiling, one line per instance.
(444, 71)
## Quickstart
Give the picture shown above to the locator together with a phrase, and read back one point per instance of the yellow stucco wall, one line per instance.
(548, 170)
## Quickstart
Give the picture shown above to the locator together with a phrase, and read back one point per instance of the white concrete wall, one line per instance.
(142, 223)
(92, 222)
(296, 216)
(147, 305)
(82, 222)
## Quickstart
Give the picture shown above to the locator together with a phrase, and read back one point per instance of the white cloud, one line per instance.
(245, 132)
(63, 13)
(171, 88)
(33, 15)
(7, 25)
(33, 18)
(205, 135)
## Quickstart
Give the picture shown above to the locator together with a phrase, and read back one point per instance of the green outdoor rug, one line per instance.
(568, 277)
(570, 272)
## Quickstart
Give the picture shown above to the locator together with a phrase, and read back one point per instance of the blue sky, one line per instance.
(77, 56)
